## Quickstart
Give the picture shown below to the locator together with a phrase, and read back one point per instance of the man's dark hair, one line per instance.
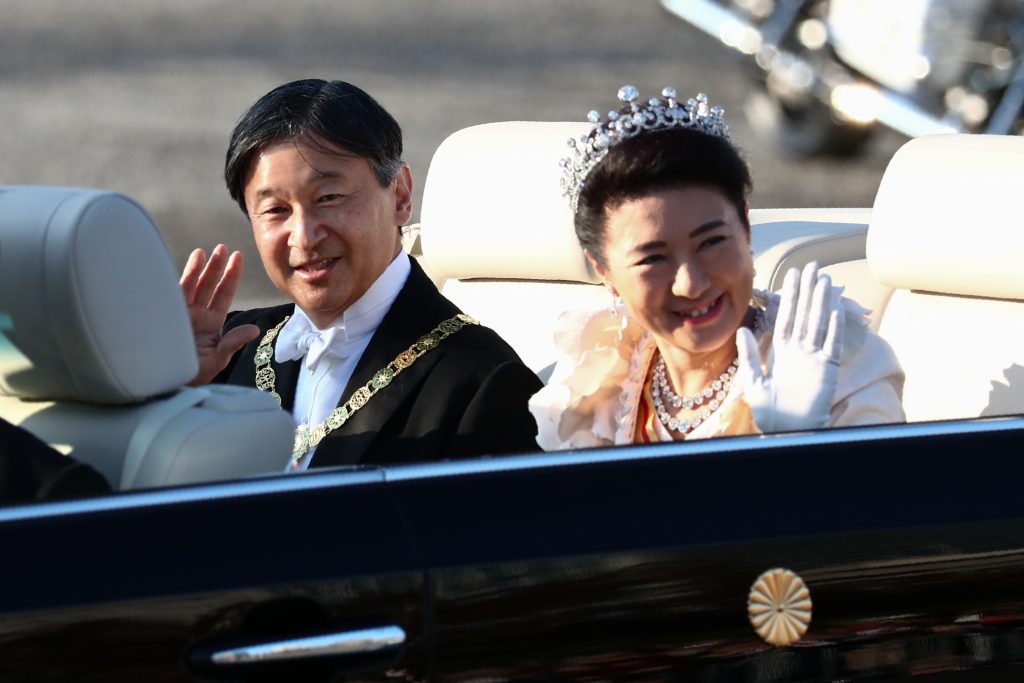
(651, 162)
(319, 112)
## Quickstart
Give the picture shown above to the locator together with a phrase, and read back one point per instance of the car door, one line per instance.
(637, 563)
(283, 578)
(620, 564)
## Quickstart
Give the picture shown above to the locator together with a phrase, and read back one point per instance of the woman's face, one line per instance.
(680, 259)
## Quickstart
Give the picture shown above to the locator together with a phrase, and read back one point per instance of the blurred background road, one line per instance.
(140, 96)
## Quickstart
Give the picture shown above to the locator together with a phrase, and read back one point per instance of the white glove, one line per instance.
(795, 393)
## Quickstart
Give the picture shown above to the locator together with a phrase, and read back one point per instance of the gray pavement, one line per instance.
(139, 96)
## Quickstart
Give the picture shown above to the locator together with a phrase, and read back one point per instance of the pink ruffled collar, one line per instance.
(592, 396)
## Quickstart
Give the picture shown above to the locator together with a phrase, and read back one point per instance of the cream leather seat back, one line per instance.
(947, 236)
(834, 238)
(96, 346)
(497, 235)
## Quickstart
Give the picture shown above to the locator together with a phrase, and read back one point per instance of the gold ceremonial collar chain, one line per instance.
(307, 437)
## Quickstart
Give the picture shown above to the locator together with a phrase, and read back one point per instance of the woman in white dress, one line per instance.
(689, 349)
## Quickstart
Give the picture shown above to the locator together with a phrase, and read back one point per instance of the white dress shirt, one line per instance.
(327, 368)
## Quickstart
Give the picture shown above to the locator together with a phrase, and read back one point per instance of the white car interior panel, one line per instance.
(97, 347)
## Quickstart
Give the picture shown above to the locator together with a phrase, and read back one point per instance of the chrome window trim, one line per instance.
(766, 442)
(238, 488)
(313, 480)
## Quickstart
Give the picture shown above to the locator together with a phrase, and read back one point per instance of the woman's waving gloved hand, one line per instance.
(796, 389)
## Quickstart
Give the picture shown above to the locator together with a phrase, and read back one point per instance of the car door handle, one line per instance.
(376, 640)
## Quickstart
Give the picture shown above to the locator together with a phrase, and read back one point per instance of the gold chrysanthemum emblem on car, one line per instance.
(779, 607)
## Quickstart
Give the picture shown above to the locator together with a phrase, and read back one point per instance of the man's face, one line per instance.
(323, 225)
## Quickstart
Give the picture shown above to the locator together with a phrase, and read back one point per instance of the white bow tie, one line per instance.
(303, 339)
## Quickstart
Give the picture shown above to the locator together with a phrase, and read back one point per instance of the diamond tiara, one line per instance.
(659, 113)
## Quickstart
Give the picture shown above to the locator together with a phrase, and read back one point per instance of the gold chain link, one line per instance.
(309, 437)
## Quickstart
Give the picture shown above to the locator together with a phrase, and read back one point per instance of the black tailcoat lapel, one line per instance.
(242, 368)
(417, 309)
(286, 381)
(465, 398)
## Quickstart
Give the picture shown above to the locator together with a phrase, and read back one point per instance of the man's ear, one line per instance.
(403, 195)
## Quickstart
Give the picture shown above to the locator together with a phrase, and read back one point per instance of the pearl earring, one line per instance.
(616, 304)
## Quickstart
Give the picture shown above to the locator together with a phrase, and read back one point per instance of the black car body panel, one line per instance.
(614, 564)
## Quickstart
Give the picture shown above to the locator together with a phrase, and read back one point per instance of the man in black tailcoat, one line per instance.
(373, 362)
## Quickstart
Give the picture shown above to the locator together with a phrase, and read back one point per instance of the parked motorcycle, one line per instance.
(828, 72)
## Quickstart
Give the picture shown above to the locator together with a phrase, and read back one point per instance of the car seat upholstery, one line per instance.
(497, 235)
(941, 275)
(947, 237)
(96, 345)
(834, 238)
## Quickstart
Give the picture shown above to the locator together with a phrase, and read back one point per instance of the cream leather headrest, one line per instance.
(947, 218)
(89, 299)
(493, 205)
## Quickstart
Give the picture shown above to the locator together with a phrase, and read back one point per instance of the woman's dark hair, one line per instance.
(651, 162)
(320, 112)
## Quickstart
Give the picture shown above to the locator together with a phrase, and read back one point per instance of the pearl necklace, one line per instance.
(714, 393)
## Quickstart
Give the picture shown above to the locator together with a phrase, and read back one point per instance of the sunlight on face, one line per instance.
(323, 225)
(680, 259)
